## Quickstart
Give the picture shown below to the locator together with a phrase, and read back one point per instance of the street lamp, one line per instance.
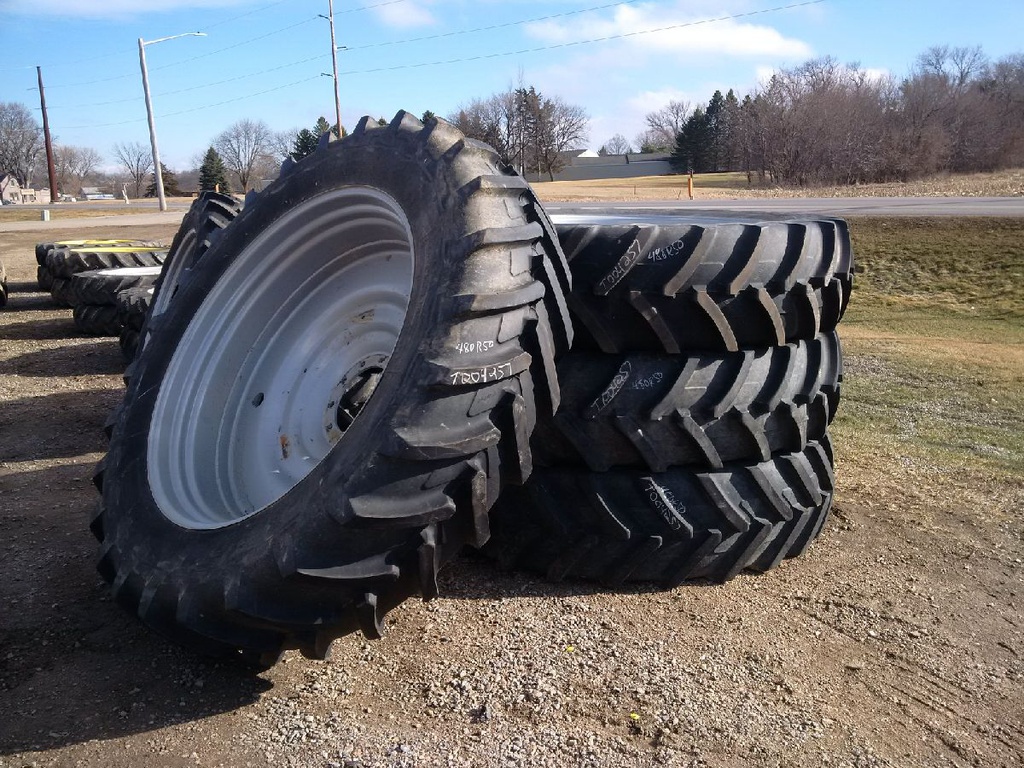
(157, 174)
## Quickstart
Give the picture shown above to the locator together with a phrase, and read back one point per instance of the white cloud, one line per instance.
(405, 15)
(651, 101)
(106, 8)
(683, 33)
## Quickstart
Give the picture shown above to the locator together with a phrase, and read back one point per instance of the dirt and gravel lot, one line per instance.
(897, 640)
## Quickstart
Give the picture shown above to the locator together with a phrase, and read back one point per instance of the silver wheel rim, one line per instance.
(280, 357)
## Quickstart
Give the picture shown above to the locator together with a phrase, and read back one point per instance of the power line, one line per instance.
(555, 46)
(537, 49)
(456, 33)
(192, 88)
(208, 54)
(243, 15)
(241, 98)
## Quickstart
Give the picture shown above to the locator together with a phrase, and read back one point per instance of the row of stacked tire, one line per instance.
(392, 352)
(106, 283)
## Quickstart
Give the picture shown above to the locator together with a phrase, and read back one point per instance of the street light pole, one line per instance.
(334, 63)
(157, 173)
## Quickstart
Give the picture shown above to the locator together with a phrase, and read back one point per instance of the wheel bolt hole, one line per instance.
(258, 400)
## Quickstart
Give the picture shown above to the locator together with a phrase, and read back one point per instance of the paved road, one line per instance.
(124, 219)
(844, 206)
(838, 206)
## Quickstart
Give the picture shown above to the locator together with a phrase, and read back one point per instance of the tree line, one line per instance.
(827, 123)
(238, 157)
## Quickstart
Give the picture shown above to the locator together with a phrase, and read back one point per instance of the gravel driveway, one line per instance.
(896, 640)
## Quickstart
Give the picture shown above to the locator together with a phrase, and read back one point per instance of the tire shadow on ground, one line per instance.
(98, 358)
(25, 297)
(75, 666)
(50, 329)
(58, 425)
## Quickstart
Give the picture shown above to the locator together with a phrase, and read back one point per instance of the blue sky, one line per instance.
(263, 59)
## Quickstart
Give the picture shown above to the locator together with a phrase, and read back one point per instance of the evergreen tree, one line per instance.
(171, 188)
(428, 115)
(212, 173)
(322, 126)
(716, 129)
(693, 143)
(305, 144)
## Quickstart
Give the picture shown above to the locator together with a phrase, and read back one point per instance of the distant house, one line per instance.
(94, 193)
(10, 189)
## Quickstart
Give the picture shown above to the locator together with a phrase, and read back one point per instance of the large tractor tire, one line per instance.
(678, 284)
(65, 262)
(101, 286)
(329, 407)
(208, 215)
(97, 319)
(666, 527)
(61, 293)
(658, 411)
(44, 248)
(44, 278)
(133, 307)
(3, 285)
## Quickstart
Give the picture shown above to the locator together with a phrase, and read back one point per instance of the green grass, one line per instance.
(934, 340)
(972, 267)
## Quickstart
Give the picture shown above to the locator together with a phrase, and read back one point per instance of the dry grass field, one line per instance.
(711, 186)
(897, 640)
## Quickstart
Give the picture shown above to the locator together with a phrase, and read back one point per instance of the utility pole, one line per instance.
(334, 62)
(157, 173)
(46, 137)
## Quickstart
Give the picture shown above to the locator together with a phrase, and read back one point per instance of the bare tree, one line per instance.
(663, 126)
(137, 160)
(617, 145)
(21, 141)
(281, 144)
(247, 148)
(562, 127)
(73, 164)
(529, 131)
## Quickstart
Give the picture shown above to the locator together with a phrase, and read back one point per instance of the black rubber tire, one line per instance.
(668, 527)
(679, 284)
(44, 278)
(60, 292)
(133, 306)
(44, 248)
(657, 411)
(101, 286)
(65, 262)
(414, 477)
(3, 285)
(208, 215)
(132, 311)
(97, 319)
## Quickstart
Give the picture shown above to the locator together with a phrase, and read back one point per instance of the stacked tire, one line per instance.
(63, 261)
(133, 305)
(337, 388)
(692, 441)
(95, 297)
(328, 407)
(44, 277)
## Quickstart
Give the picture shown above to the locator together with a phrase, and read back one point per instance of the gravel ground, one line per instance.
(896, 640)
